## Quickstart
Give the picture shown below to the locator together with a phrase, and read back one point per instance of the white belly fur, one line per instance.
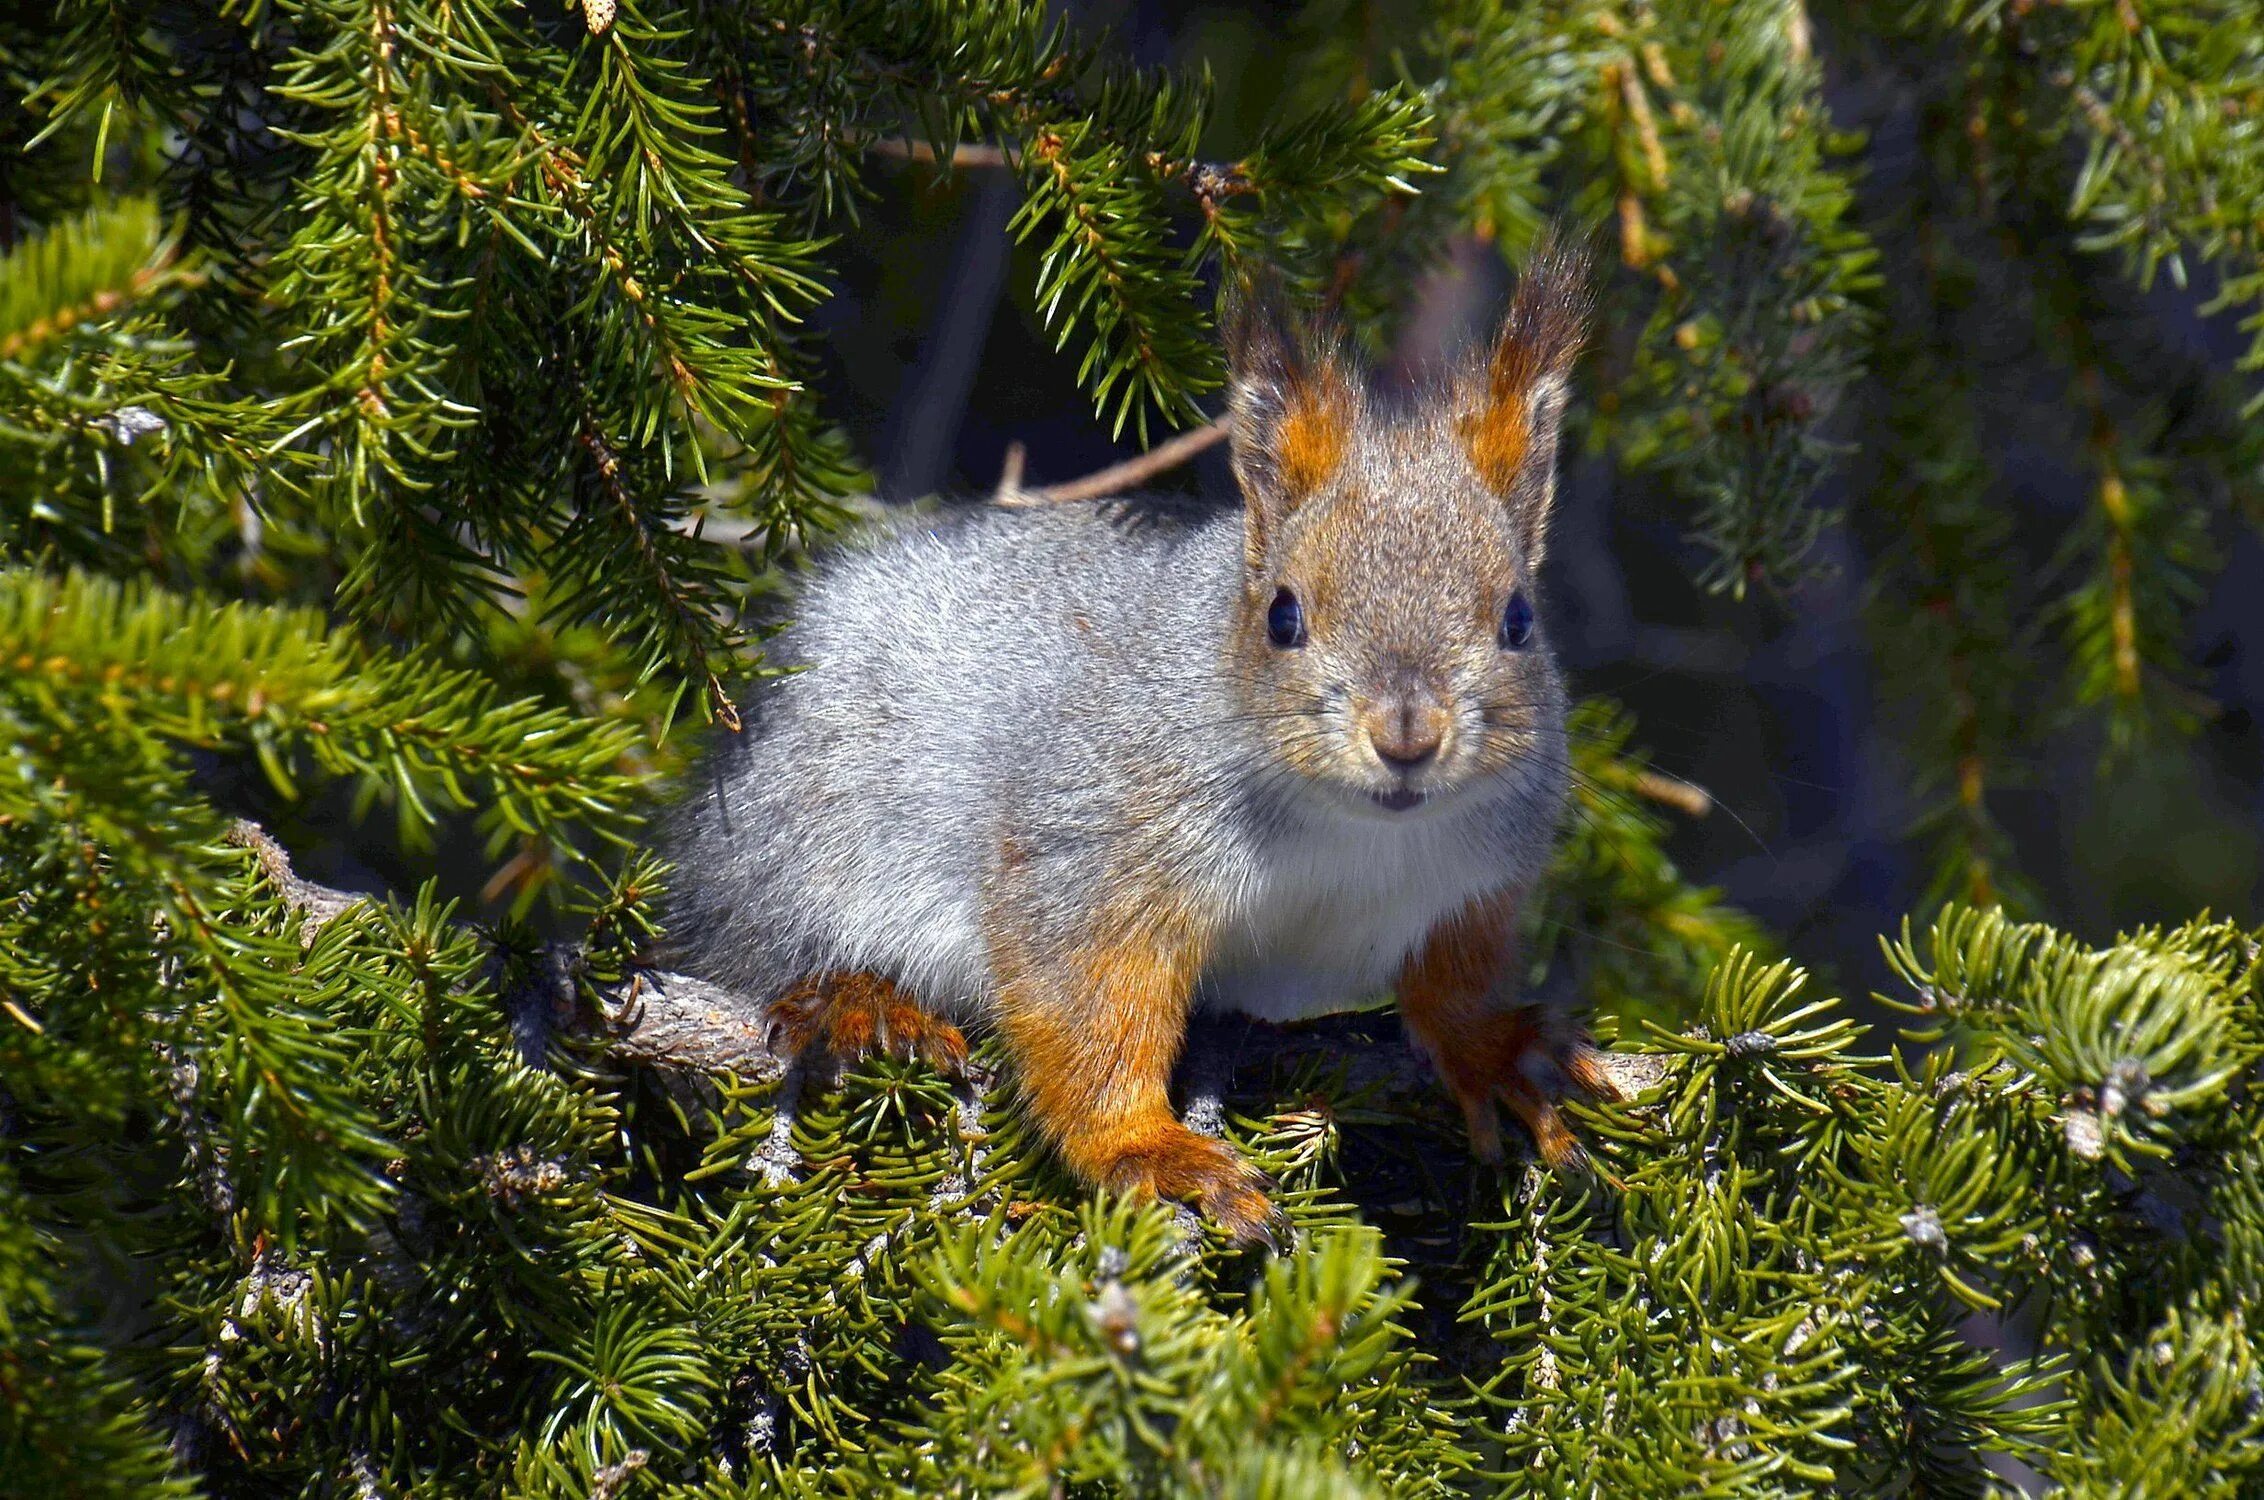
(1325, 925)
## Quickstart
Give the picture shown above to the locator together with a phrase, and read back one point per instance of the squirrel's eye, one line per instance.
(1285, 622)
(1517, 623)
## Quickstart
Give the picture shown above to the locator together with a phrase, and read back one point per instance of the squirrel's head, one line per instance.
(1389, 632)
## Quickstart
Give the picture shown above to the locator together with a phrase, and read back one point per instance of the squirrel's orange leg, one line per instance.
(1486, 1049)
(1095, 1036)
(854, 1015)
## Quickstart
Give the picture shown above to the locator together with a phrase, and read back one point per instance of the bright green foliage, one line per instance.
(883, 1285)
(138, 958)
(378, 379)
(1116, 1369)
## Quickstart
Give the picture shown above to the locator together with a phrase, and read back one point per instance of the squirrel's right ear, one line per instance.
(1294, 405)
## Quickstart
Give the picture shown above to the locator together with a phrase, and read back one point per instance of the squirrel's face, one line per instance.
(1390, 640)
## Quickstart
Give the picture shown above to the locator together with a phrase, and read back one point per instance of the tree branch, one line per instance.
(965, 154)
(663, 1020)
(1118, 478)
(655, 1019)
(318, 903)
(675, 1022)
(1684, 797)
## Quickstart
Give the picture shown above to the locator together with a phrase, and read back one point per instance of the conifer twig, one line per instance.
(320, 904)
(1118, 478)
(1009, 490)
(669, 1020)
(965, 154)
(1690, 800)
(653, 1017)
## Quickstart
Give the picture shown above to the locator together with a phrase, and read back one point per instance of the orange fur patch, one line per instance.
(1315, 432)
(1497, 435)
(1176, 1163)
(1539, 339)
(1096, 1039)
(1450, 975)
(1095, 1034)
(1446, 994)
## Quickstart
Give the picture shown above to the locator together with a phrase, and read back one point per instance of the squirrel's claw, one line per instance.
(853, 1016)
(1518, 1064)
(1249, 1218)
(1177, 1163)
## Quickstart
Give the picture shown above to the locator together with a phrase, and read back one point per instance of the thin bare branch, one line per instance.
(1116, 479)
(965, 154)
(1009, 491)
(1691, 801)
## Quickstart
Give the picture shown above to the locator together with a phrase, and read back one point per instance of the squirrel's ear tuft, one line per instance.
(1295, 405)
(1509, 422)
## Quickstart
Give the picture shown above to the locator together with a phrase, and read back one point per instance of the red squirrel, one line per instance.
(1076, 770)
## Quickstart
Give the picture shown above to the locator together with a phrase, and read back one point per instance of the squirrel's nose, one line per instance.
(1406, 729)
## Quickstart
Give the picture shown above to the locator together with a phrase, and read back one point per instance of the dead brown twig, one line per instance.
(1116, 479)
(967, 154)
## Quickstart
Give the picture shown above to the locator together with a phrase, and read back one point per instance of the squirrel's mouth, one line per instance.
(1398, 799)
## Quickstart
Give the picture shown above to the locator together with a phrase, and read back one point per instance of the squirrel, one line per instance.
(1078, 769)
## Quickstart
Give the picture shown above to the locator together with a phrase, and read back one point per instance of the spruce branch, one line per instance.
(651, 1017)
(80, 273)
(144, 666)
(2164, 103)
(461, 320)
(315, 905)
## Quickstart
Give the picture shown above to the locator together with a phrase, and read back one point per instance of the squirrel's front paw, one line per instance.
(1176, 1163)
(1515, 1059)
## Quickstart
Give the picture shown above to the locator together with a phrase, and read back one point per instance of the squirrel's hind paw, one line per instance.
(1176, 1163)
(853, 1016)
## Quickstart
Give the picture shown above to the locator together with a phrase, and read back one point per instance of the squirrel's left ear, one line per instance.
(1512, 407)
(1295, 403)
